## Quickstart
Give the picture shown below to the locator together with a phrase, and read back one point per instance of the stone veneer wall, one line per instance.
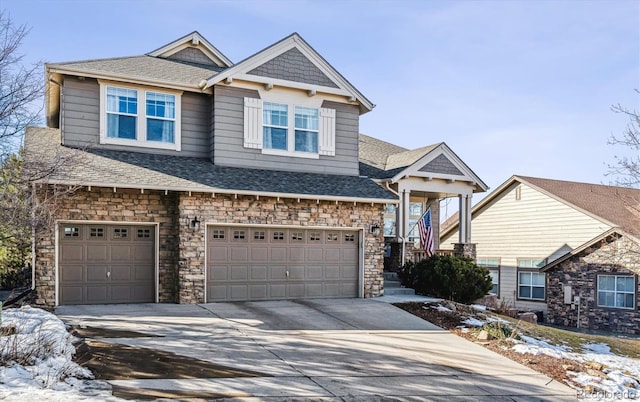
(271, 211)
(620, 257)
(102, 204)
(181, 260)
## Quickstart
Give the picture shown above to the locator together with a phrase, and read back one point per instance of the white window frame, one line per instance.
(141, 118)
(254, 122)
(615, 292)
(291, 133)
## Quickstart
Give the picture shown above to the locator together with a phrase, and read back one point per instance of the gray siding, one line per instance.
(80, 112)
(80, 120)
(292, 65)
(192, 55)
(441, 164)
(229, 139)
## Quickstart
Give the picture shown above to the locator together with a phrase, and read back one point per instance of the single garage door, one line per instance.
(245, 263)
(101, 264)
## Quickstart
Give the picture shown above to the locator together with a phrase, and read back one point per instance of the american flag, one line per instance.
(426, 233)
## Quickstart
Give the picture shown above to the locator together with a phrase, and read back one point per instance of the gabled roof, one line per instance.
(583, 249)
(382, 160)
(123, 169)
(193, 40)
(341, 85)
(146, 70)
(614, 206)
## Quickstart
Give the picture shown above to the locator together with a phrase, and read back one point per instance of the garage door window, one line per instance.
(96, 232)
(144, 233)
(314, 236)
(332, 237)
(258, 235)
(239, 235)
(218, 234)
(278, 236)
(349, 238)
(71, 232)
(120, 233)
(297, 236)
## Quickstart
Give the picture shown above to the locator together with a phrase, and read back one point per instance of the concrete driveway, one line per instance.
(331, 349)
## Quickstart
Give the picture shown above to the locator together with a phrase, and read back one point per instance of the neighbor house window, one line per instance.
(139, 117)
(531, 285)
(493, 265)
(616, 291)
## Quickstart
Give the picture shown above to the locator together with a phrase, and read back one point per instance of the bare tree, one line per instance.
(626, 169)
(20, 86)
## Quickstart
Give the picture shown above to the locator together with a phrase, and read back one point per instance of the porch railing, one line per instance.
(419, 255)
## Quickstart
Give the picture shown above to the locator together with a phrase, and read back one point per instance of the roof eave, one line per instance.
(214, 190)
(53, 69)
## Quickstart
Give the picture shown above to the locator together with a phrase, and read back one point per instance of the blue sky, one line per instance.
(513, 87)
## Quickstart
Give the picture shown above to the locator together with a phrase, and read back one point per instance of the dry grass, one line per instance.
(500, 343)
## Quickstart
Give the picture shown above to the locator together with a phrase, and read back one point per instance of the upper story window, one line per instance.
(276, 128)
(617, 291)
(306, 130)
(289, 129)
(139, 117)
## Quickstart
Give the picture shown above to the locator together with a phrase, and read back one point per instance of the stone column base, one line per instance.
(465, 250)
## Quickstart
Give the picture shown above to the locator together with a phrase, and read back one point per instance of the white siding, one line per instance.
(533, 227)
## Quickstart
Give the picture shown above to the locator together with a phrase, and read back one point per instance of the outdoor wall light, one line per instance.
(375, 229)
(194, 223)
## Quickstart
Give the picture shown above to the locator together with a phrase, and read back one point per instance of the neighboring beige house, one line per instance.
(199, 180)
(527, 223)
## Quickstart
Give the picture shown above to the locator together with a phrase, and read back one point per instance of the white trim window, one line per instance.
(531, 285)
(275, 126)
(288, 129)
(139, 117)
(617, 291)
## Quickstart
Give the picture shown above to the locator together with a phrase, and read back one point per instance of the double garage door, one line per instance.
(101, 264)
(257, 263)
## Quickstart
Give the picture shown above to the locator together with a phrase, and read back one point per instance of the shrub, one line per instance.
(448, 277)
(12, 269)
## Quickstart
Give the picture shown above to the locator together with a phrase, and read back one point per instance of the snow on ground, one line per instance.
(622, 381)
(622, 373)
(36, 361)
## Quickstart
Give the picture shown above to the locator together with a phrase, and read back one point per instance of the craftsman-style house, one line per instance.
(200, 180)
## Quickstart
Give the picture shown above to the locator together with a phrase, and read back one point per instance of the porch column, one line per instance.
(464, 223)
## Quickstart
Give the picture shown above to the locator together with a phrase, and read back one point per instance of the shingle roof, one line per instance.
(618, 205)
(380, 159)
(108, 168)
(375, 152)
(145, 68)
